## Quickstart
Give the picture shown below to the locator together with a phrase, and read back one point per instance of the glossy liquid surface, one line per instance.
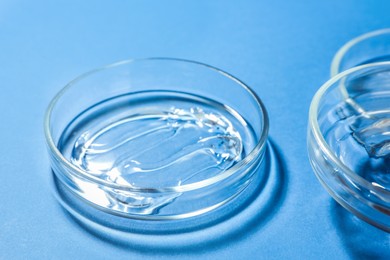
(362, 141)
(155, 140)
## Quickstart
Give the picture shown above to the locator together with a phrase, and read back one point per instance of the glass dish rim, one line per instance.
(256, 151)
(319, 138)
(335, 65)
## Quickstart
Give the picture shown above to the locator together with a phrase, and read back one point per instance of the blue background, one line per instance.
(282, 49)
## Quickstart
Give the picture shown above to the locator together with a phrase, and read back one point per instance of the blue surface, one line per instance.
(281, 49)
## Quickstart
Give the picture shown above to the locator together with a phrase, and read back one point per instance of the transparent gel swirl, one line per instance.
(362, 142)
(153, 141)
(169, 147)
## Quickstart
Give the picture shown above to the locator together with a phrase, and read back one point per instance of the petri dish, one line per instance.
(349, 140)
(155, 139)
(367, 48)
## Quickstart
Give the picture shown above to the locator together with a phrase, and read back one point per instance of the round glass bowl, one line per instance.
(156, 139)
(349, 140)
(367, 48)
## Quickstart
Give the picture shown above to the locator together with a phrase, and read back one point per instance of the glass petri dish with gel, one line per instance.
(349, 140)
(156, 139)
